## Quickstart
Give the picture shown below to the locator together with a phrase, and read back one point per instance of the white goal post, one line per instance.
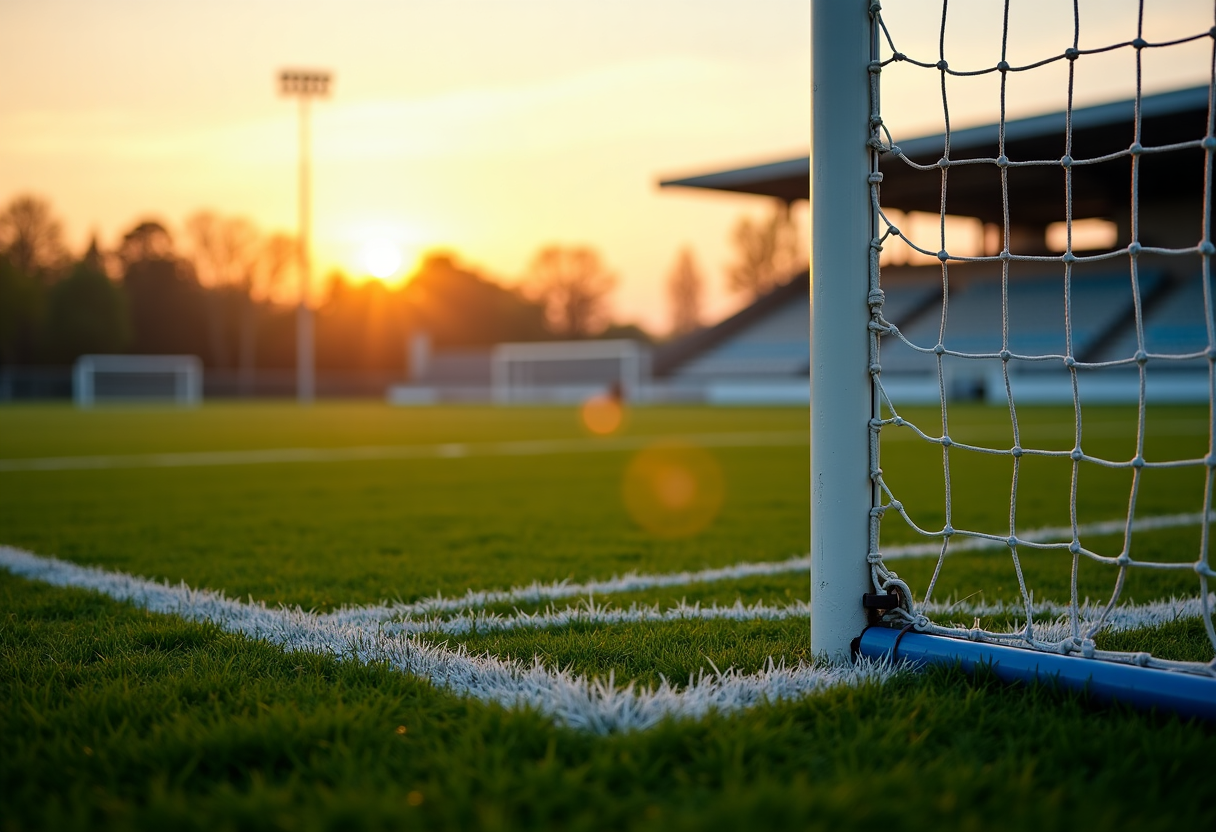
(124, 379)
(568, 371)
(991, 316)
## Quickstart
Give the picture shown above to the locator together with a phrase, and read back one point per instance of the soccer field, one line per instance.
(462, 657)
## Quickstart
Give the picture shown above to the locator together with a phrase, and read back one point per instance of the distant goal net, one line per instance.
(1014, 331)
(135, 379)
(569, 371)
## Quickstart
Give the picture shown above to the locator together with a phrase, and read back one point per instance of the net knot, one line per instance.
(1003, 66)
(1210, 461)
(1138, 462)
(1209, 143)
(896, 505)
(875, 7)
(1136, 149)
(894, 230)
(1141, 659)
(1012, 541)
(874, 178)
(1087, 648)
(1139, 43)
(947, 531)
(1133, 248)
(875, 368)
(1212, 32)
(1002, 161)
(874, 67)
(1070, 362)
(1075, 546)
(942, 65)
(895, 151)
(1005, 255)
(1065, 161)
(1211, 353)
(874, 558)
(1141, 357)
(1006, 355)
(1076, 455)
(946, 441)
(939, 349)
(1124, 559)
(943, 163)
(1016, 451)
(875, 298)
(1069, 257)
(943, 256)
(898, 421)
(1205, 569)
(899, 56)
(1072, 53)
(1206, 248)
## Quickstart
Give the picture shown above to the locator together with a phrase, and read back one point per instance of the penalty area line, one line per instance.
(573, 700)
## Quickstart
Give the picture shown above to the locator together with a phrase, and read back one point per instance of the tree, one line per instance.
(573, 285)
(685, 288)
(768, 253)
(458, 307)
(86, 313)
(31, 237)
(163, 294)
(21, 304)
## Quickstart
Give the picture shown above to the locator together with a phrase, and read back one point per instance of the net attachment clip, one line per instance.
(880, 600)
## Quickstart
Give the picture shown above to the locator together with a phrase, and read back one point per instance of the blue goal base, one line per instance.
(1184, 693)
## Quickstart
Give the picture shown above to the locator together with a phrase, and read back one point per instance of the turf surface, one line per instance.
(114, 717)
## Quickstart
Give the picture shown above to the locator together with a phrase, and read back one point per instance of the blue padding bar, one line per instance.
(1184, 693)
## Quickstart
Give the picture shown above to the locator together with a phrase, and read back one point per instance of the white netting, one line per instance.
(1130, 255)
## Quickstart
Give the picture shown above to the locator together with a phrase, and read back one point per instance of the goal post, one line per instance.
(1022, 308)
(842, 402)
(126, 379)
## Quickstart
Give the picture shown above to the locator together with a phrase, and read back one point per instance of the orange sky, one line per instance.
(488, 127)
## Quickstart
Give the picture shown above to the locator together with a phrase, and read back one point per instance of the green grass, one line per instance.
(113, 717)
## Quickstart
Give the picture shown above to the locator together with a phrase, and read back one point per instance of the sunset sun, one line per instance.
(381, 258)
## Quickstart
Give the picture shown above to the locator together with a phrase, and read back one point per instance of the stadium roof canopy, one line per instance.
(1036, 194)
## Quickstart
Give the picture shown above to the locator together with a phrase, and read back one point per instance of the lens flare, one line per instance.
(673, 489)
(602, 415)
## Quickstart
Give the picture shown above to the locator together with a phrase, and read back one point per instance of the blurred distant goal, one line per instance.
(568, 371)
(129, 379)
(1013, 311)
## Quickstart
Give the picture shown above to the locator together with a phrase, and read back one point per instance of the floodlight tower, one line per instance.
(304, 84)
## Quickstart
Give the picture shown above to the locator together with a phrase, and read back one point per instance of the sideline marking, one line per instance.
(446, 450)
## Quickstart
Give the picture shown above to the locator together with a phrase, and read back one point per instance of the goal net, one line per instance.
(103, 379)
(568, 371)
(1013, 294)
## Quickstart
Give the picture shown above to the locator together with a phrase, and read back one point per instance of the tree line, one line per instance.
(216, 293)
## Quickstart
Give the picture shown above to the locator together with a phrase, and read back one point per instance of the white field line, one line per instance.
(576, 701)
(449, 450)
(1049, 615)
(543, 593)
(538, 447)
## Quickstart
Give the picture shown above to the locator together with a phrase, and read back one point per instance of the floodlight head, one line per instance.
(304, 82)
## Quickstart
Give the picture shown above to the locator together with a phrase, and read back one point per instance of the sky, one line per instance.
(486, 127)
